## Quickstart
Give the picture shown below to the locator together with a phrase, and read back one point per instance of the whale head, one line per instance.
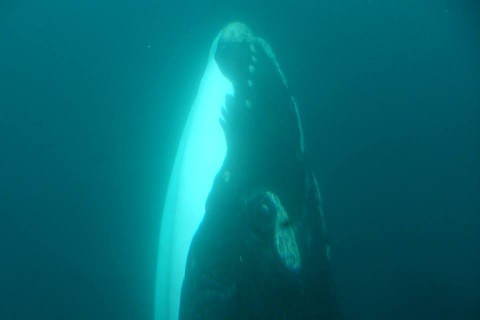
(260, 120)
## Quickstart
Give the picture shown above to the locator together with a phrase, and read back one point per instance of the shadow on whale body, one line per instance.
(243, 234)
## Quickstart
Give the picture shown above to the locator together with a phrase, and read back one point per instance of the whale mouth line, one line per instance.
(214, 290)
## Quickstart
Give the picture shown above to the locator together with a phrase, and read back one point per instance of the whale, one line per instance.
(243, 233)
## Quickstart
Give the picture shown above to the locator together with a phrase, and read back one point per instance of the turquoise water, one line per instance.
(93, 99)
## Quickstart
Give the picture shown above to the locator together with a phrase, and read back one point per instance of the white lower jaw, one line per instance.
(199, 158)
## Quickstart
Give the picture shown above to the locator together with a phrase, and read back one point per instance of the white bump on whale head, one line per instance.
(236, 32)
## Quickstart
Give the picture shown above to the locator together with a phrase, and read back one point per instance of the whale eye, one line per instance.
(262, 205)
(264, 209)
(260, 214)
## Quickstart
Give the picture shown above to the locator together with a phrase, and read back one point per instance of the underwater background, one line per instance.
(93, 99)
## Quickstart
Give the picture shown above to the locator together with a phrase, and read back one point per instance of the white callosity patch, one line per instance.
(319, 201)
(236, 32)
(271, 55)
(251, 68)
(299, 124)
(285, 240)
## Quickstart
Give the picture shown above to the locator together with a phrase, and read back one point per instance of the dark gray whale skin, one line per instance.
(260, 251)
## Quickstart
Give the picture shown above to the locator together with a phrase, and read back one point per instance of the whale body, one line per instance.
(243, 234)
